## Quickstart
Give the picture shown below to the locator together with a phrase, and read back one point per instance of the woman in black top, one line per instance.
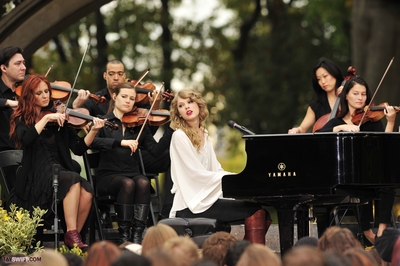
(355, 96)
(326, 80)
(47, 140)
(118, 173)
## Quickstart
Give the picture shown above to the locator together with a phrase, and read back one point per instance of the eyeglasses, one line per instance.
(112, 73)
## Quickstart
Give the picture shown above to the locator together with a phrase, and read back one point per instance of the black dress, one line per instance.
(34, 177)
(118, 161)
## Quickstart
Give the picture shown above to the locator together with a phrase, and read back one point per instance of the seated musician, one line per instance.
(46, 139)
(118, 172)
(197, 174)
(354, 97)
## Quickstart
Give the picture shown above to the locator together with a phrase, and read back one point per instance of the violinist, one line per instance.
(47, 140)
(119, 173)
(355, 96)
(12, 66)
(114, 75)
(326, 80)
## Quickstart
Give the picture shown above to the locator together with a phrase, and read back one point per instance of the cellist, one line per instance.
(326, 80)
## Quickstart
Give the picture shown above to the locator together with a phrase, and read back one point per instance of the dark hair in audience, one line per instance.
(235, 251)
(73, 260)
(307, 241)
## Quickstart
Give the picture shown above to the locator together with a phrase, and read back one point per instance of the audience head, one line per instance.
(257, 255)
(160, 257)
(307, 241)
(333, 258)
(156, 236)
(216, 246)
(101, 254)
(183, 249)
(235, 251)
(49, 257)
(360, 257)
(303, 256)
(338, 239)
(128, 258)
(73, 260)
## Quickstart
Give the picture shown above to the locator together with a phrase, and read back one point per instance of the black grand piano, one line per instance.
(287, 171)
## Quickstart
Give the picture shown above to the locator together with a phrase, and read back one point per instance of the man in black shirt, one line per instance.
(12, 66)
(12, 70)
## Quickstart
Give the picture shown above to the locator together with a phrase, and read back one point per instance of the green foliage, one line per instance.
(75, 250)
(17, 230)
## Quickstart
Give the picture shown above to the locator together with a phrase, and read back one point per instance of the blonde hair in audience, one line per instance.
(156, 236)
(259, 255)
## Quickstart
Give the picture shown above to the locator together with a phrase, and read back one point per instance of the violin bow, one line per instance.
(141, 78)
(48, 71)
(76, 78)
(149, 112)
(373, 96)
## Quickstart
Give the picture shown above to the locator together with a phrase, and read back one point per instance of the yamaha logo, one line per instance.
(281, 173)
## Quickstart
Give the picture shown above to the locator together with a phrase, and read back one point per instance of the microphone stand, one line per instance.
(55, 200)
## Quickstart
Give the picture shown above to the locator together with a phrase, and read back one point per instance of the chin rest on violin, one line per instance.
(137, 117)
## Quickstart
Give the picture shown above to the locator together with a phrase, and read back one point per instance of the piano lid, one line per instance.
(290, 164)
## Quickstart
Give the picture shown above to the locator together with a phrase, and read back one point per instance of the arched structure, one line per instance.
(34, 22)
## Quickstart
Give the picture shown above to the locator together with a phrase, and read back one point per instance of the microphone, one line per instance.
(56, 174)
(242, 129)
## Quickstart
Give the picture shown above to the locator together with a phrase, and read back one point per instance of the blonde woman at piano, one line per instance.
(355, 96)
(197, 174)
(326, 79)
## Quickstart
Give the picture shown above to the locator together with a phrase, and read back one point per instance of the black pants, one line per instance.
(383, 209)
(226, 210)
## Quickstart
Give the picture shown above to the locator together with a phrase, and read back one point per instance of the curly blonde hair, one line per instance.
(178, 122)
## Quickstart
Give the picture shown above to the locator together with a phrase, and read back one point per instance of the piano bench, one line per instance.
(198, 229)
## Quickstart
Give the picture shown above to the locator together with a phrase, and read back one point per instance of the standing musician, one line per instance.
(355, 96)
(46, 139)
(197, 174)
(118, 172)
(326, 80)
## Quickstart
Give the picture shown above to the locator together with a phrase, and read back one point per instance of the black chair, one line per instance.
(99, 219)
(9, 162)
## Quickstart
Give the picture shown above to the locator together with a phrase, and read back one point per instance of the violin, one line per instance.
(61, 91)
(142, 90)
(373, 114)
(138, 116)
(77, 118)
(351, 71)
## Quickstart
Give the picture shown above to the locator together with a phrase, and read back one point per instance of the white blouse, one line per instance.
(196, 176)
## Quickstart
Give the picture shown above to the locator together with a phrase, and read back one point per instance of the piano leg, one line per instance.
(286, 231)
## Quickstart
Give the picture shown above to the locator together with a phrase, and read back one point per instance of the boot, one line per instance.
(139, 222)
(124, 218)
(254, 227)
(72, 237)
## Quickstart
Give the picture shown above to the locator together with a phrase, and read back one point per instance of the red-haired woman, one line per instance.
(47, 140)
